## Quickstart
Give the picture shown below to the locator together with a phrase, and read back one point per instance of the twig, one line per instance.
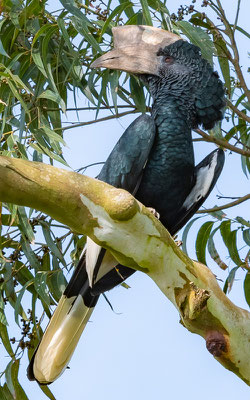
(228, 205)
(235, 61)
(223, 143)
(237, 15)
(99, 120)
(90, 108)
(238, 112)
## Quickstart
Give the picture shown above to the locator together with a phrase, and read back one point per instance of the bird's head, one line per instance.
(164, 60)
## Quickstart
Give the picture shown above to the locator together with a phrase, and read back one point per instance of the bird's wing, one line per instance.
(206, 174)
(123, 169)
(124, 166)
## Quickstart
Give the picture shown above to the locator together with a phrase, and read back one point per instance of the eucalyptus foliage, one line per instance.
(45, 58)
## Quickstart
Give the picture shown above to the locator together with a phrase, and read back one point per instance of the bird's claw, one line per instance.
(178, 242)
(154, 212)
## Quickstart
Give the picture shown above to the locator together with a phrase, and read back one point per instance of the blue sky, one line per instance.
(141, 350)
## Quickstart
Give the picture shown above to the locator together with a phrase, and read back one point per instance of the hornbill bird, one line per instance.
(153, 160)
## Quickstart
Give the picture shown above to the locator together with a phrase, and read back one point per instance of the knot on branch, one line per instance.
(120, 205)
(216, 343)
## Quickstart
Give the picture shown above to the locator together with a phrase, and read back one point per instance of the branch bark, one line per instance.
(223, 143)
(228, 205)
(115, 220)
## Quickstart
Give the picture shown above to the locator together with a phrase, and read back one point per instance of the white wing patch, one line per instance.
(204, 179)
(92, 253)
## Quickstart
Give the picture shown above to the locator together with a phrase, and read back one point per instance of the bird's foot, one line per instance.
(154, 212)
(177, 242)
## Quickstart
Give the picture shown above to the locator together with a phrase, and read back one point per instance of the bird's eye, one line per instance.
(168, 59)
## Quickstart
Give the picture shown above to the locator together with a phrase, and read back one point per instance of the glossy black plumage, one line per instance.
(154, 160)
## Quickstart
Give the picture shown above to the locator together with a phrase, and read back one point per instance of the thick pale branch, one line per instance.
(114, 219)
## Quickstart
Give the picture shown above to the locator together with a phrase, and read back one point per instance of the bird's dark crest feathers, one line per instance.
(208, 92)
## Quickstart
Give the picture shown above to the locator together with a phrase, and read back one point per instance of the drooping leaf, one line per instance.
(246, 236)
(137, 94)
(146, 12)
(25, 226)
(201, 241)
(198, 37)
(213, 251)
(230, 280)
(185, 234)
(247, 287)
(5, 339)
(229, 237)
(18, 390)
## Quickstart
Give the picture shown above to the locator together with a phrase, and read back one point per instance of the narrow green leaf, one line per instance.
(185, 234)
(146, 12)
(42, 31)
(246, 104)
(198, 37)
(18, 307)
(246, 236)
(217, 214)
(6, 393)
(213, 251)
(48, 94)
(230, 280)
(2, 50)
(201, 241)
(242, 221)
(128, 11)
(115, 13)
(242, 31)
(6, 219)
(24, 224)
(103, 91)
(29, 253)
(41, 286)
(57, 284)
(8, 379)
(247, 287)
(229, 237)
(19, 392)
(44, 150)
(38, 61)
(47, 391)
(114, 83)
(17, 95)
(5, 339)
(137, 93)
(53, 135)
(50, 242)
(221, 49)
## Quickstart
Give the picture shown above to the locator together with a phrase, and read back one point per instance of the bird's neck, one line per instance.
(172, 111)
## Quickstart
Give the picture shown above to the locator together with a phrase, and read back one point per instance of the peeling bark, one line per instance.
(114, 219)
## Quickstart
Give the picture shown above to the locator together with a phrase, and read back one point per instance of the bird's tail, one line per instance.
(64, 329)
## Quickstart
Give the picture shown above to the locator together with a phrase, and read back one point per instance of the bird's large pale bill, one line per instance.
(135, 60)
(135, 49)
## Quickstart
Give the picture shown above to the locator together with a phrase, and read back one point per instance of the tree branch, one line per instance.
(236, 59)
(238, 112)
(228, 205)
(223, 143)
(115, 220)
(99, 120)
